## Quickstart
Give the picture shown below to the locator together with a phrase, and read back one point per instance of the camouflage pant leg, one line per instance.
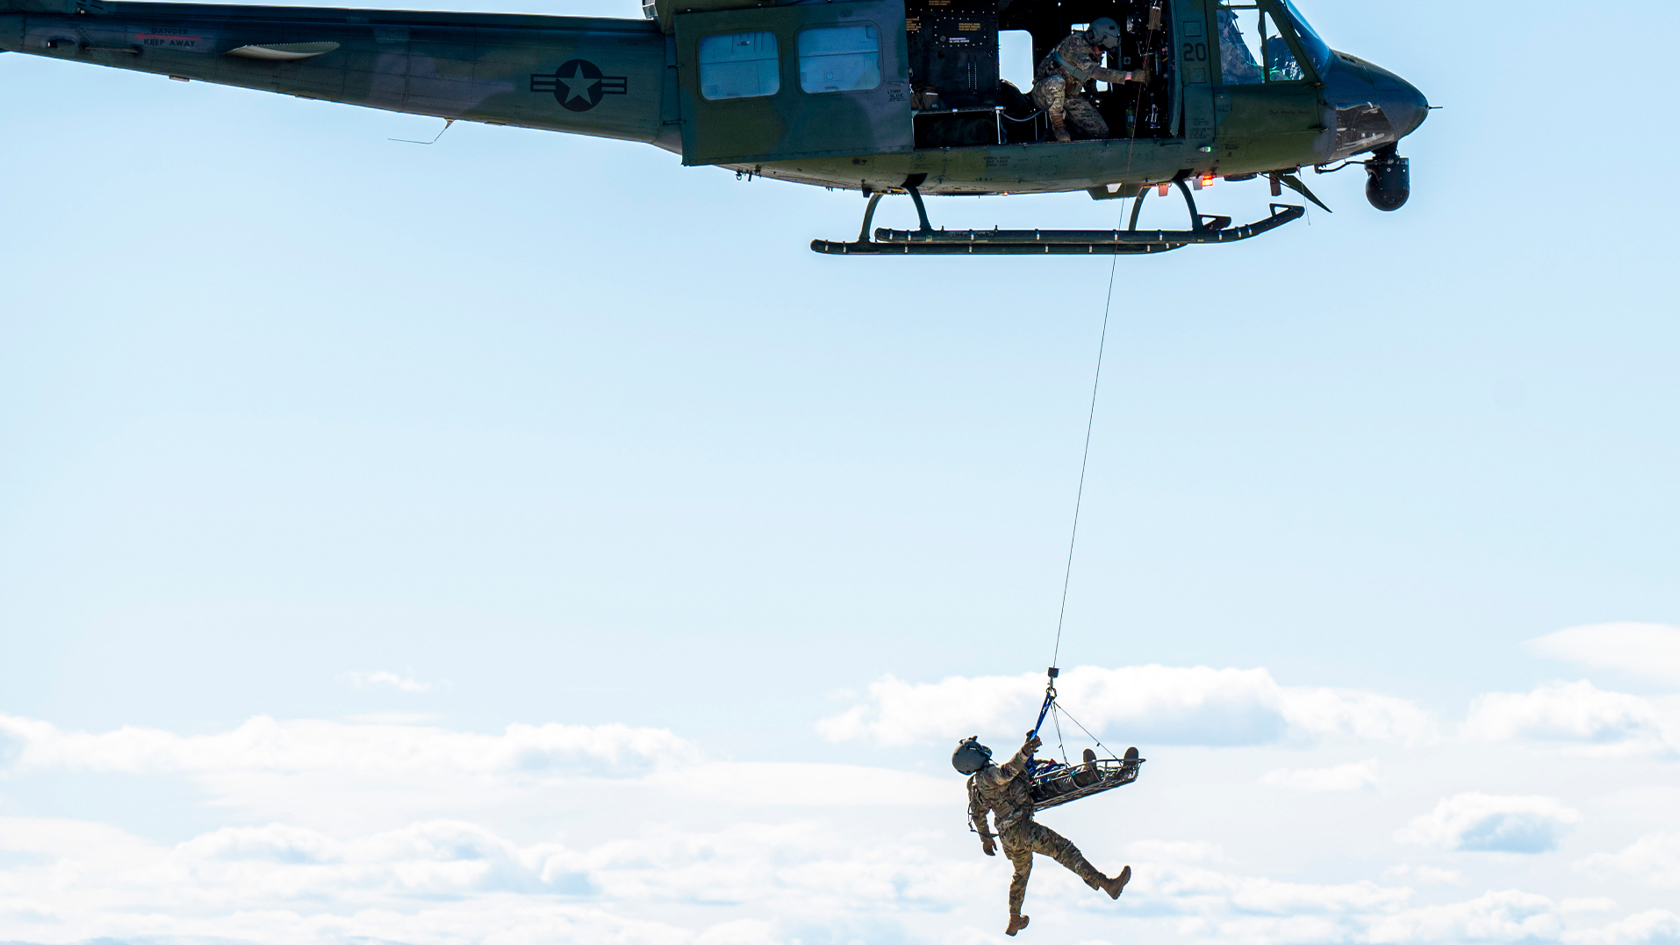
(1050, 94)
(1085, 118)
(1021, 841)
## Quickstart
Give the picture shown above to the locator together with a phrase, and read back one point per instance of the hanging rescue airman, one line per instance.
(1060, 77)
(1005, 791)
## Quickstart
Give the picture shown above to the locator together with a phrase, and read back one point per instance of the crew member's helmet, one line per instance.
(1104, 32)
(970, 755)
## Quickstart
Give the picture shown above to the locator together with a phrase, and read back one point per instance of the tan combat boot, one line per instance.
(1118, 883)
(1016, 924)
(1087, 773)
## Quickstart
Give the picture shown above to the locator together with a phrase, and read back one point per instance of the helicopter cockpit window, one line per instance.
(1281, 64)
(1238, 54)
(840, 58)
(1317, 49)
(739, 65)
(1252, 49)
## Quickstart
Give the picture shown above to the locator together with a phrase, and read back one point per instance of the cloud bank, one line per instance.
(268, 746)
(1576, 715)
(1349, 777)
(361, 772)
(1647, 650)
(1492, 823)
(444, 882)
(450, 882)
(1654, 859)
(1144, 704)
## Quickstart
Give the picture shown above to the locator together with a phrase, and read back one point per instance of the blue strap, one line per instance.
(1043, 710)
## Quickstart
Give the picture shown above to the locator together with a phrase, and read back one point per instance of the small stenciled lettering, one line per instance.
(171, 37)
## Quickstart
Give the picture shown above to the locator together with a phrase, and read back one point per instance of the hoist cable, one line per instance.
(1108, 305)
(1085, 458)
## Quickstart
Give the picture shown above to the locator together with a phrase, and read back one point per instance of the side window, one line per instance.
(840, 58)
(739, 65)
(1239, 59)
(1251, 47)
(1281, 65)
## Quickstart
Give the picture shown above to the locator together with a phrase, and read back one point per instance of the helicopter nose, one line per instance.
(1405, 106)
(1356, 86)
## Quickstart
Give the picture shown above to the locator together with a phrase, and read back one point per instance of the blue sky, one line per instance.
(563, 433)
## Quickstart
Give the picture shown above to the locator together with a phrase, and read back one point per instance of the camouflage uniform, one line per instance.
(1058, 79)
(1005, 791)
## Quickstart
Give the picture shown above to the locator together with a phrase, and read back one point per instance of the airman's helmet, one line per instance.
(970, 755)
(1104, 32)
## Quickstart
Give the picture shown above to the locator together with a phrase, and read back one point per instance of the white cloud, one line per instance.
(1424, 875)
(662, 847)
(1177, 851)
(1504, 916)
(1587, 904)
(1153, 704)
(757, 784)
(350, 776)
(443, 882)
(1649, 650)
(265, 745)
(431, 881)
(1652, 927)
(383, 678)
(1578, 715)
(1492, 823)
(1656, 859)
(1349, 777)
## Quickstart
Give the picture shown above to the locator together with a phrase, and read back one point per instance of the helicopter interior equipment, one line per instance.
(875, 96)
(959, 99)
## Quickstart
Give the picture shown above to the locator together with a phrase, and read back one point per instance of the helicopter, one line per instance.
(877, 96)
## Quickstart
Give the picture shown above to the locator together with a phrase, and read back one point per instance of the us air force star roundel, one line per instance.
(578, 84)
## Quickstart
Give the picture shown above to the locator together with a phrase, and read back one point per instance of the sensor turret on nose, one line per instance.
(1388, 179)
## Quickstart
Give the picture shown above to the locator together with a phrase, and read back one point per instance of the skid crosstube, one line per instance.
(930, 242)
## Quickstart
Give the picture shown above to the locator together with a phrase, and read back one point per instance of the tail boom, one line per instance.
(603, 77)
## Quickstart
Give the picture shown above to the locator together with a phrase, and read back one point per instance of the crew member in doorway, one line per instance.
(1074, 62)
(1005, 791)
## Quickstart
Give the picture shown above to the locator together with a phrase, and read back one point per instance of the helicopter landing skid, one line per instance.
(926, 241)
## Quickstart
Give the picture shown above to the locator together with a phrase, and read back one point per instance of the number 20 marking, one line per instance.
(1195, 52)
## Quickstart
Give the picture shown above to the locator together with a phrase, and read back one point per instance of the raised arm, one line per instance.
(1115, 76)
(999, 774)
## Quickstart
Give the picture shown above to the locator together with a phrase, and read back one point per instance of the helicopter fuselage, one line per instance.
(647, 80)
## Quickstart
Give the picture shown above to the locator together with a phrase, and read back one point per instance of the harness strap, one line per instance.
(974, 806)
(1081, 76)
(1043, 710)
